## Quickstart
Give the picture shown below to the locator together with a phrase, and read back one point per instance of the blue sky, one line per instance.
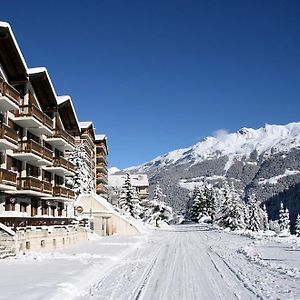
(160, 75)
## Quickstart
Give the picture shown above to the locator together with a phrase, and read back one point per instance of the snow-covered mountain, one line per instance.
(113, 170)
(265, 161)
(262, 142)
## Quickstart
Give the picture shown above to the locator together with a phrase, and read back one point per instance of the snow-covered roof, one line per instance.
(43, 70)
(137, 180)
(66, 99)
(84, 125)
(100, 137)
(6, 25)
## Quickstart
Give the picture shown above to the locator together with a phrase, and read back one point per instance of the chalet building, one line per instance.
(37, 131)
(101, 165)
(138, 181)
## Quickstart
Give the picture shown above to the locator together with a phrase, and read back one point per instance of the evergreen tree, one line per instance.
(82, 181)
(129, 201)
(254, 222)
(159, 211)
(297, 226)
(284, 218)
(231, 213)
(195, 209)
(265, 218)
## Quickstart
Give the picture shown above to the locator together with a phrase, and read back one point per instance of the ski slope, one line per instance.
(184, 262)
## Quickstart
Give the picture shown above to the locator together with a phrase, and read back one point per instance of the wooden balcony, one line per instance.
(102, 167)
(34, 153)
(101, 157)
(8, 138)
(63, 192)
(15, 222)
(100, 177)
(30, 116)
(61, 166)
(101, 147)
(61, 140)
(9, 98)
(31, 183)
(8, 178)
(101, 188)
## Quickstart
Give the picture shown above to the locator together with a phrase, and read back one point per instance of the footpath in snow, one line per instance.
(185, 262)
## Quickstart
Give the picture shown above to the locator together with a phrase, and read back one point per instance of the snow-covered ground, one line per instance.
(184, 262)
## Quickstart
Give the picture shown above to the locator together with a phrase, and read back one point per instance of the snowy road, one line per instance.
(187, 262)
(194, 262)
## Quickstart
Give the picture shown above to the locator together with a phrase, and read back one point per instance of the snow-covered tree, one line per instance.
(265, 218)
(210, 204)
(297, 226)
(255, 222)
(159, 211)
(284, 219)
(196, 207)
(129, 201)
(231, 212)
(82, 181)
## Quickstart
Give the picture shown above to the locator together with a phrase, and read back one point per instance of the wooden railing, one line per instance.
(102, 188)
(47, 187)
(101, 146)
(8, 91)
(101, 157)
(8, 134)
(63, 163)
(102, 177)
(61, 191)
(59, 133)
(30, 183)
(33, 111)
(15, 222)
(8, 177)
(31, 146)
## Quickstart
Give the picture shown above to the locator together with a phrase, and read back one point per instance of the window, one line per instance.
(23, 207)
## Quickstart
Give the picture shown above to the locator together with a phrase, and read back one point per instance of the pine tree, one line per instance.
(265, 218)
(284, 219)
(129, 201)
(159, 211)
(297, 226)
(82, 181)
(231, 212)
(211, 204)
(195, 209)
(254, 223)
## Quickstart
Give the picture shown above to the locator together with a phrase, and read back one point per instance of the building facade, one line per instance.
(38, 130)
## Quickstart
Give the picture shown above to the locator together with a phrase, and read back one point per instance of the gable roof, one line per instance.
(43, 87)
(68, 114)
(11, 57)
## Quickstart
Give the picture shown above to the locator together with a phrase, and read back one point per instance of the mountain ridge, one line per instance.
(264, 161)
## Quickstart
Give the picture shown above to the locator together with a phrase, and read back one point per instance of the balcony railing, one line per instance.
(8, 91)
(101, 188)
(30, 183)
(8, 134)
(47, 187)
(33, 147)
(101, 177)
(63, 163)
(61, 191)
(33, 111)
(16, 222)
(100, 157)
(34, 184)
(8, 177)
(59, 133)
